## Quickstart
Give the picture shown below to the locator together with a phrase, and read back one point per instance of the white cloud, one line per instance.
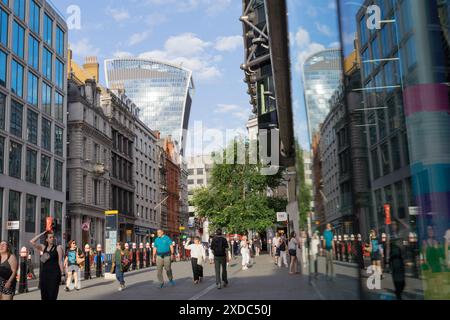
(302, 37)
(335, 44)
(189, 51)
(324, 29)
(155, 19)
(211, 7)
(117, 14)
(84, 48)
(137, 38)
(123, 54)
(230, 43)
(226, 108)
(238, 112)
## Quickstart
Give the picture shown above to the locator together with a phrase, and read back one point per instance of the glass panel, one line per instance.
(31, 167)
(30, 214)
(15, 160)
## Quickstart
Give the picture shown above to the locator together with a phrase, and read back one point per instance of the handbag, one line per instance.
(45, 257)
(125, 263)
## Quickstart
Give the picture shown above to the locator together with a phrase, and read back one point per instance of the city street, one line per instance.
(264, 281)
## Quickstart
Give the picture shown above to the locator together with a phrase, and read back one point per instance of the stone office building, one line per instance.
(88, 162)
(147, 195)
(33, 42)
(119, 110)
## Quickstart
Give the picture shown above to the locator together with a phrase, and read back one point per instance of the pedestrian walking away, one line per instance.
(395, 253)
(219, 246)
(8, 272)
(198, 258)
(121, 262)
(282, 260)
(245, 252)
(328, 244)
(52, 265)
(293, 245)
(258, 244)
(73, 262)
(163, 255)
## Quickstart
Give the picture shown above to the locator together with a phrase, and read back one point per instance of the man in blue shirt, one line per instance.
(163, 253)
(328, 244)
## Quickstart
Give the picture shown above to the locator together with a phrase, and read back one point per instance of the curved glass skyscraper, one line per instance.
(162, 91)
(321, 78)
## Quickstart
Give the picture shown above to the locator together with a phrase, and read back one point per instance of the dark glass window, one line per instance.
(3, 60)
(2, 111)
(30, 214)
(19, 8)
(15, 123)
(31, 167)
(375, 164)
(59, 107)
(47, 59)
(385, 163)
(45, 171)
(14, 206)
(59, 73)
(3, 27)
(18, 39)
(15, 160)
(32, 96)
(396, 154)
(45, 212)
(48, 30)
(17, 78)
(34, 17)
(33, 52)
(60, 41)
(2, 155)
(46, 141)
(46, 98)
(32, 127)
(58, 183)
(59, 141)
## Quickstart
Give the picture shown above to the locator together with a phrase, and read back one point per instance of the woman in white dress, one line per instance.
(245, 252)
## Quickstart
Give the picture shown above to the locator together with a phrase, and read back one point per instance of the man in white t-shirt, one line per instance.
(275, 245)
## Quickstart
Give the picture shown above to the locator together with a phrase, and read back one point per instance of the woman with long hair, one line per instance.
(52, 265)
(293, 245)
(8, 272)
(120, 263)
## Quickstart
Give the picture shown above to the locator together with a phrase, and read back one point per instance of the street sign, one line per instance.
(13, 225)
(111, 212)
(282, 216)
(387, 213)
(182, 228)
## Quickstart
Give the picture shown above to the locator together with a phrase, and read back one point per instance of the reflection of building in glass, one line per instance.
(321, 77)
(162, 91)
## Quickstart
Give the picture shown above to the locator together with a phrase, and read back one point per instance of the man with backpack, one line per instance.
(219, 247)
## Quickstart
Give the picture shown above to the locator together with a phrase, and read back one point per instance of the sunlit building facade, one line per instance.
(162, 91)
(321, 78)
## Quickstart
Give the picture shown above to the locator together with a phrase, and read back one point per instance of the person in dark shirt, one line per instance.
(219, 246)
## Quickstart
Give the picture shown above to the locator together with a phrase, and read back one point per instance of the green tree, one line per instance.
(304, 194)
(236, 198)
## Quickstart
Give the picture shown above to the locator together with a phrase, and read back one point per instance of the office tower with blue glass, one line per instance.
(322, 75)
(162, 91)
(33, 55)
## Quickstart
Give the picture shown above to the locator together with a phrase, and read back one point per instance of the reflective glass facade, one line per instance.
(163, 92)
(321, 78)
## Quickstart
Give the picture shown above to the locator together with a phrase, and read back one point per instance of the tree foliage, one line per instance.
(237, 197)
(304, 194)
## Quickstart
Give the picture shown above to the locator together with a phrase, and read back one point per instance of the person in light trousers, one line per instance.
(245, 252)
(282, 248)
(163, 255)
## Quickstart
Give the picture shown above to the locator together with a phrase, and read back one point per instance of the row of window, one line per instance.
(14, 155)
(14, 209)
(34, 21)
(16, 127)
(140, 211)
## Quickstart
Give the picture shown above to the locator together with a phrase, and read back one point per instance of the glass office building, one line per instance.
(33, 89)
(405, 68)
(162, 91)
(321, 78)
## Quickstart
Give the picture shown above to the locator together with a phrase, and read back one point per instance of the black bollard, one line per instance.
(98, 264)
(87, 266)
(147, 256)
(134, 258)
(23, 281)
(141, 258)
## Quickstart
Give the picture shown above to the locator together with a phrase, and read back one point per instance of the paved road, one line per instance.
(263, 281)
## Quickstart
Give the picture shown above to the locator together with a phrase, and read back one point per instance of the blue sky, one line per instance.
(204, 35)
